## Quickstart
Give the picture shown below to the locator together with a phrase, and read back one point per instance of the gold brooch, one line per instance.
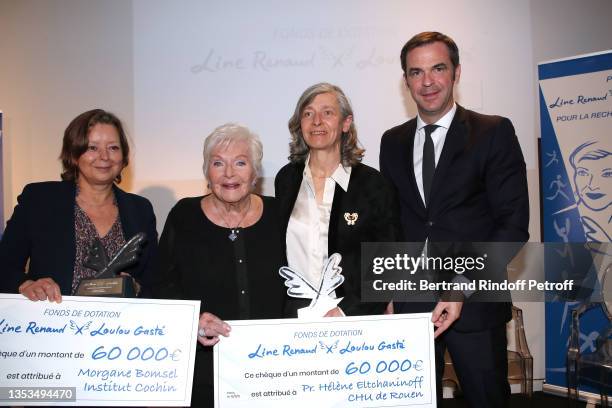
(351, 218)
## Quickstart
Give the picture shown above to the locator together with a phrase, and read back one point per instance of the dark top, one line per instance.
(86, 233)
(373, 199)
(478, 194)
(42, 231)
(233, 280)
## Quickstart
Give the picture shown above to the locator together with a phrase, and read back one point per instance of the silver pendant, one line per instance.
(233, 236)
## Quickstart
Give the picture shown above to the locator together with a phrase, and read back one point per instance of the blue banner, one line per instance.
(576, 169)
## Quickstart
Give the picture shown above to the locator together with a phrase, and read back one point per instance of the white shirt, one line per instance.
(438, 136)
(308, 228)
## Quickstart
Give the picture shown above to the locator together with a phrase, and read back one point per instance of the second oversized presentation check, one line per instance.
(97, 351)
(361, 361)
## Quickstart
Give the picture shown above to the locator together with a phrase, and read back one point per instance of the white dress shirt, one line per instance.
(308, 228)
(438, 136)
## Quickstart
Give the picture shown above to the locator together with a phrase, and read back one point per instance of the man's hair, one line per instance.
(429, 37)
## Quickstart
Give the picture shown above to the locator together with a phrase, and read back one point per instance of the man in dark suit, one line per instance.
(460, 177)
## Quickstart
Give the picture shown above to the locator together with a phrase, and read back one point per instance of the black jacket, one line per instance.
(478, 194)
(41, 230)
(372, 198)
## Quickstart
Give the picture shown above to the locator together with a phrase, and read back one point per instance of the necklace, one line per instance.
(233, 235)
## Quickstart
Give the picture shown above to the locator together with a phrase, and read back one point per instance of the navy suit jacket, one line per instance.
(41, 230)
(478, 194)
(373, 199)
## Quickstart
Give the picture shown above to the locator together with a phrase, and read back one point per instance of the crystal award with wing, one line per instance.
(107, 281)
(323, 295)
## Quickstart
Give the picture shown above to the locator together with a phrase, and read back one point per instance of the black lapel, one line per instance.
(341, 200)
(334, 218)
(407, 148)
(66, 238)
(126, 213)
(455, 142)
(293, 188)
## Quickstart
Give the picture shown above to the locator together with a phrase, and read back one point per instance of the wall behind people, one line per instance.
(219, 65)
(151, 63)
(172, 72)
(58, 60)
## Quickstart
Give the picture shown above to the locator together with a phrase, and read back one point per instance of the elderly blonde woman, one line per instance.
(223, 248)
(331, 202)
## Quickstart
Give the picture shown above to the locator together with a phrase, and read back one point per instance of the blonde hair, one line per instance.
(227, 134)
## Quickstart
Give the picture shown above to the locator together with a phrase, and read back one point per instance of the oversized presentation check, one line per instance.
(97, 351)
(360, 361)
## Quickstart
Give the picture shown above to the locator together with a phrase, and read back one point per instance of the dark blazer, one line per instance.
(478, 194)
(373, 199)
(41, 230)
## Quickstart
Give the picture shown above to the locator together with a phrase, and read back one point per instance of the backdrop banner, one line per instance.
(576, 190)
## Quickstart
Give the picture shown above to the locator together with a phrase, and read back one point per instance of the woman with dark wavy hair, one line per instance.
(330, 202)
(55, 223)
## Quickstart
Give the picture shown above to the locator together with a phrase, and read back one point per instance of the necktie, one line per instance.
(429, 161)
